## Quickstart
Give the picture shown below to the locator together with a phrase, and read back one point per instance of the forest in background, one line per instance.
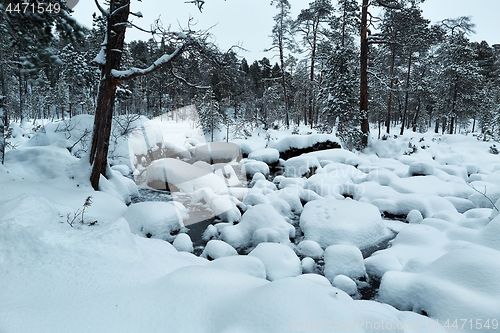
(421, 76)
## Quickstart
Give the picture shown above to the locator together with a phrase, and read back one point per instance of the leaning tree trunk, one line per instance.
(113, 46)
(363, 101)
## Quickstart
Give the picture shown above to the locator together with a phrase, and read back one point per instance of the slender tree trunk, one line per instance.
(417, 114)
(3, 112)
(391, 87)
(311, 75)
(407, 94)
(454, 105)
(117, 22)
(363, 102)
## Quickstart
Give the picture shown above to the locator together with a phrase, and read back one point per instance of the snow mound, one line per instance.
(269, 156)
(217, 249)
(33, 163)
(420, 168)
(183, 243)
(309, 248)
(344, 260)
(417, 242)
(330, 221)
(280, 260)
(248, 265)
(216, 152)
(345, 284)
(445, 290)
(257, 217)
(156, 219)
(250, 168)
(178, 176)
(295, 145)
(301, 166)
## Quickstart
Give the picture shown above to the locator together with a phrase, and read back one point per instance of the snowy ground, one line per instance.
(288, 253)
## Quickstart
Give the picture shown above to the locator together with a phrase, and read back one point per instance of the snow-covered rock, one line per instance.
(217, 249)
(310, 248)
(420, 169)
(280, 260)
(301, 166)
(216, 152)
(156, 219)
(295, 145)
(270, 156)
(183, 243)
(175, 175)
(345, 260)
(345, 284)
(250, 168)
(330, 221)
(255, 218)
(464, 283)
(249, 265)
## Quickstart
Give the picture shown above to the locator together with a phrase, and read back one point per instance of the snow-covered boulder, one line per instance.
(255, 218)
(345, 284)
(415, 241)
(345, 260)
(420, 168)
(218, 249)
(249, 265)
(178, 176)
(183, 243)
(270, 156)
(250, 168)
(330, 221)
(280, 260)
(156, 219)
(216, 152)
(301, 166)
(310, 248)
(463, 283)
(295, 145)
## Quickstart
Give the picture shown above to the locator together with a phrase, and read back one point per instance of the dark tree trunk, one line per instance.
(3, 112)
(363, 102)
(117, 22)
(407, 94)
(417, 115)
(311, 75)
(391, 87)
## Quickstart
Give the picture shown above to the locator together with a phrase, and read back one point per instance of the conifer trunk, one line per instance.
(363, 102)
(117, 22)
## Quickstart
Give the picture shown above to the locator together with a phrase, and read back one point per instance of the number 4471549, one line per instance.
(26, 7)
(471, 324)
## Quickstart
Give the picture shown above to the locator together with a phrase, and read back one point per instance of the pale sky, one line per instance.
(248, 23)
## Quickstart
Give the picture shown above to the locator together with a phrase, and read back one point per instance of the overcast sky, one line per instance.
(248, 23)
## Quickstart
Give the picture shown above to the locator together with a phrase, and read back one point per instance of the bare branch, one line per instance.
(103, 11)
(159, 63)
(183, 80)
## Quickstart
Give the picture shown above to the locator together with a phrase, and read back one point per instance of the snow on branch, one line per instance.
(116, 11)
(134, 72)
